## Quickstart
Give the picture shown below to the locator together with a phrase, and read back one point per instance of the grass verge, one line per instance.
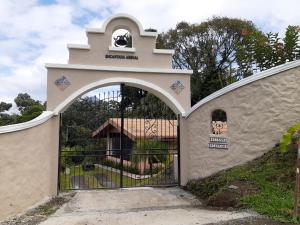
(265, 185)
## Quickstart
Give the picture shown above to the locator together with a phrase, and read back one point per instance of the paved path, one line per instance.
(105, 180)
(146, 206)
(78, 182)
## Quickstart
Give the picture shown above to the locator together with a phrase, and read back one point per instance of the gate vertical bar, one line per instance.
(59, 153)
(178, 149)
(122, 132)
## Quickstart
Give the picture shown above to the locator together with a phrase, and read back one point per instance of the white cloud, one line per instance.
(274, 15)
(33, 34)
(163, 14)
(36, 35)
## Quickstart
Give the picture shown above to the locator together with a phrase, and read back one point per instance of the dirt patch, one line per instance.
(40, 213)
(231, 194)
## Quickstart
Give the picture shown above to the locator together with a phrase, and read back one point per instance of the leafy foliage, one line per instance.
(28, 108)
(291, 43)
(31, 112)
(150, 150)
(209, 49)
(287, 137)
(76, 155)
(5, 106)
(257, 51)
(25, 102)
(85, 115)
(223, 50)
(141, 103)
(5, 118)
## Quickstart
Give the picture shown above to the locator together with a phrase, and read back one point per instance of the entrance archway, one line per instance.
(106, 60)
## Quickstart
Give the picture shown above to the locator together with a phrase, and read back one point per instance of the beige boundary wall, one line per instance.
(28, 164)
(259, 109)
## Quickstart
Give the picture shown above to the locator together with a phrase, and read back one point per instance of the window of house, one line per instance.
(219, 122)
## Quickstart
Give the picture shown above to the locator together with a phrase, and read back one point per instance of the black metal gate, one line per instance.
(125, 137)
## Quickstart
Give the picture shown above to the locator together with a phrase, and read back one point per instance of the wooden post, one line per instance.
(297, 185)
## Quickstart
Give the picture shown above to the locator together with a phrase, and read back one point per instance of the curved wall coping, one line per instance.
(243, 82)
(126, 16)
(46, 115)
(118, 69)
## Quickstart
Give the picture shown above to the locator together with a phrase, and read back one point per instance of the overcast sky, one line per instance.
(35, 32)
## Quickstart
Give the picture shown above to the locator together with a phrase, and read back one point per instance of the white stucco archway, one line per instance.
(154, 89)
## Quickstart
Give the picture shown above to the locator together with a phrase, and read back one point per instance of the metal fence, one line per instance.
(121, 138)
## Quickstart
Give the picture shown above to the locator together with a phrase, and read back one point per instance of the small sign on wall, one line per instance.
(132, 57)
(218, 142)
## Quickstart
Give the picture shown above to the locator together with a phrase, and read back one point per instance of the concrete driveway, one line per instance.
(143, 206)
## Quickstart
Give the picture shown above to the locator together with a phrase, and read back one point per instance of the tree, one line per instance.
(141, 103)
(132, 96)
(5, 118)
(209, 49)
(31, 113)
(291, 41)
(5, 106)
(28, 107)
(25, 102)
(257, 52)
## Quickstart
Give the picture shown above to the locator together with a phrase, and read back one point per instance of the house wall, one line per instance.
(28, 167)
(258, 113)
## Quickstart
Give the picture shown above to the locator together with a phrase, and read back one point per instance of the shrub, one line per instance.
(287, 137)
(149, 149)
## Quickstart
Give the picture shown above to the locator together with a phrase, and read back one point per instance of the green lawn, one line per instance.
(92, 182)
(274, 176)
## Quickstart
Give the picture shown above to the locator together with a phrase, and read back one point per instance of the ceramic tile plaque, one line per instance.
(62, 83)
(177, 86)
